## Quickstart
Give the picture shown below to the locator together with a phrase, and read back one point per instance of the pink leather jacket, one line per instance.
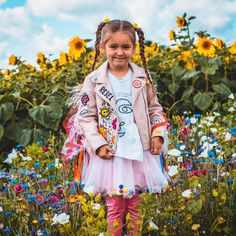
(97, 113)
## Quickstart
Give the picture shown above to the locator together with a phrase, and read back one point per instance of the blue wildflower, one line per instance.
(197, 115)
(14, 181)
(211, 154)
(18, 146)
(51, 166)
(36, 164)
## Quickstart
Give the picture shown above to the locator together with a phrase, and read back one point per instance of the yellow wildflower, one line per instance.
(35, 221)
(205, 47)
(223, 197)
(180, 21)
(232, 48)
(76, 47)
(172, 34)
(195, 226)
(12, 60)
(215, 193)
(221, 220)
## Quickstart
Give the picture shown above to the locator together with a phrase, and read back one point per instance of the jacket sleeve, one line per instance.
(87, 116)
(157, 118)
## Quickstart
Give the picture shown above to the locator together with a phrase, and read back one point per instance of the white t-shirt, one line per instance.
(129, 144)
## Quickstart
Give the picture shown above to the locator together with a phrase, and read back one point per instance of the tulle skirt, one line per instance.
(123, 177)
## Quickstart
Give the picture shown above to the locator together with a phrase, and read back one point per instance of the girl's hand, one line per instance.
(105, 152)
(156, 143)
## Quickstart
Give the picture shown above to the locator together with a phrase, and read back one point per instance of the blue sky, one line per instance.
(30, 26)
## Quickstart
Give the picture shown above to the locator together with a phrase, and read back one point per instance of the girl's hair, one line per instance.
(105, 30)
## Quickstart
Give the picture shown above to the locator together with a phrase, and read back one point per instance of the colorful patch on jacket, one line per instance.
(107, 123)
(158, 121)
(84, 99)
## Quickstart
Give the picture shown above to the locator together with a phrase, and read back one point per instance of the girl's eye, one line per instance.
(126, 47)
(113, 46)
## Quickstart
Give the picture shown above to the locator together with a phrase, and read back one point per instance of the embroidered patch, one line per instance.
(84, 99)
(84, 112)
(106, 93)
(156, 132)
(137, 84)
(104, 112)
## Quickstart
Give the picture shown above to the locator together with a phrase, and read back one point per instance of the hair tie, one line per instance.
(106, 20)
(135, 25)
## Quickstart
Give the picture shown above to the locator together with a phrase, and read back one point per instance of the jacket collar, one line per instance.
(104, 89)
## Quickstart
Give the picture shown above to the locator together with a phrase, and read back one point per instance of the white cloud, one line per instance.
(15, 23)
(2, 1)
(47, 41)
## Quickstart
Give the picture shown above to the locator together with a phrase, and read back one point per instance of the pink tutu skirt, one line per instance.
(123, 177)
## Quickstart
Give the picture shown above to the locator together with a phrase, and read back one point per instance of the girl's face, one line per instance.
(119, 50)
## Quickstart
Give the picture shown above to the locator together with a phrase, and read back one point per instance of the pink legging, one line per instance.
(117, 207)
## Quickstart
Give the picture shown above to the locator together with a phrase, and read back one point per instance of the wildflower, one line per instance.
(62, 218)
(76, 47)
(205, 47)
(215, 193)
(115, 223)
(187, 193)
(96, 206)
(11, 156)
(12, 60)
(35, 222)
(172, 170)
(174, 152)
(152, 225)
(1, 209)
(232, 48)
(180, 21)
(221, 220)
(223, 197)
(231, 96)
(172, 34)
(195, 226)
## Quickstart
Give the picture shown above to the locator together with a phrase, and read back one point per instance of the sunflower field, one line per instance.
(195, 80)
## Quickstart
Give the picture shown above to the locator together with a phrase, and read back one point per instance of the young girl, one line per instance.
(123, 126)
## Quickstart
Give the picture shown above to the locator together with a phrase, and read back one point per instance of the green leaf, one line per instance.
(222, 89)
(1, 132)
(190, 74)
(187, 92)
(26, 137)
(192, 17)
(203, 100)
(6, 111)
(195, 206)
(173, 88)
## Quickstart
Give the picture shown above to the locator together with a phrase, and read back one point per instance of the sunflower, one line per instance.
(76, 47)
(40, 58)
(205, 47)
(219, 43)
(180, 21)
(190, 65)
(232, 48)
(63, 58)
(12, 60)
(186, 55)
(172, 34)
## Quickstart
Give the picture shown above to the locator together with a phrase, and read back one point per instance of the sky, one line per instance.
(31, 26)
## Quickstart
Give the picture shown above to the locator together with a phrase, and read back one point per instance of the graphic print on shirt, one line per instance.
(124, 106)
(121, 134)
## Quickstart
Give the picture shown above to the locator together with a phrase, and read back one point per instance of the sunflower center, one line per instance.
(78, 45)
(206, 45)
